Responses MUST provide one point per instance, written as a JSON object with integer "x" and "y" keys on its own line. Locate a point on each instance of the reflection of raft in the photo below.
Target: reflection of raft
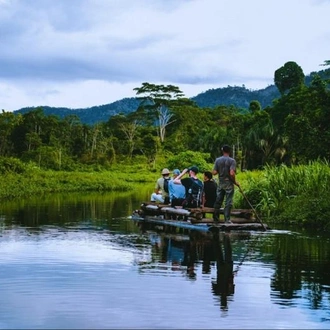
{"x": 195, "y": 218}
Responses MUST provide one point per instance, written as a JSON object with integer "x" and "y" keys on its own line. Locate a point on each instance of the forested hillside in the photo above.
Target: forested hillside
{"x": 293, "y": 130}
{"x": 232, "y": 95}
{"x": 239, "y": 97}
{"x": 236, "y": 96}
{"x": 90, "y": 115}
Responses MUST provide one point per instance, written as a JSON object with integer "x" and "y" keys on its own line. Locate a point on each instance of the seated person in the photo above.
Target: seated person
{"x": 177, "y": 192}
{"x": 160, "y": 195}
{"x": 210, "y": 190}
{"x": 193, "y": 186}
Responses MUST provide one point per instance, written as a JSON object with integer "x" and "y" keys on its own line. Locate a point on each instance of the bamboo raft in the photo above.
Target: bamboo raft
{"x": 196, "y": 218}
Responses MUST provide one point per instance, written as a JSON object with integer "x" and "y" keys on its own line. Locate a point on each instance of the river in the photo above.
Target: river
{"x": 79, "y": 262}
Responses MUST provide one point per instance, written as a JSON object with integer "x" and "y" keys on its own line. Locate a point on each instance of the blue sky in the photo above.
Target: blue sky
{"x": 81, "y": 53}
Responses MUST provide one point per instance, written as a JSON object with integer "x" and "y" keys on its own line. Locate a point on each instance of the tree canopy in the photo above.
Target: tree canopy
{"x": 295, "y": 129}
{"x": 289, "y": 76}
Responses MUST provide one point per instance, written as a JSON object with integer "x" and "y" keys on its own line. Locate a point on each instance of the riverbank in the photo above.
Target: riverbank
{"x": 31, "y": 180}
{"x": 292, "y": 195}
{"x": 298, "y": 194}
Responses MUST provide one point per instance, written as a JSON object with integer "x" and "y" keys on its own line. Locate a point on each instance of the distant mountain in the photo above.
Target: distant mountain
{"x": 241, "y": 96}
{"x": 231, "y": 95}
{"x": 237, "y": 96}
{"x": 91, "y": 115}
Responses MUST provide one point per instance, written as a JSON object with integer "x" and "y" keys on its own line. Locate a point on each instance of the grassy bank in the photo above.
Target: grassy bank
{"x": 26, "y": 180}
{"x": 297, "y": 194}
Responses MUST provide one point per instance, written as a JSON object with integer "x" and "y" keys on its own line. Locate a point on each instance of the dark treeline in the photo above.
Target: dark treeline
{"x": 295, "y": 129}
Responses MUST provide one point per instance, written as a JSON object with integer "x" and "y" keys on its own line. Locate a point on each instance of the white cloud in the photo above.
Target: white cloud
{"x": 81, "y": 53}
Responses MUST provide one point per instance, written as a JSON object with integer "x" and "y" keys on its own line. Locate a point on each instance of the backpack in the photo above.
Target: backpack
{"x": 166, "y": 180}
{"x": 195, "y": 193}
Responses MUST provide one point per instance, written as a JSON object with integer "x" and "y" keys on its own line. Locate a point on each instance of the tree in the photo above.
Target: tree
{"x": 254, "y": 106}
{"x": 309, "y": 129}
{"x": 8, "y": 121}
{"x": 148, "y": 146}
{"x": 289, "y": 76}
{"x": 302, "y": 117}
{"x": 130, "y": 130}
{"x": 262, "y": 142}
{"x": 157, "y": 100}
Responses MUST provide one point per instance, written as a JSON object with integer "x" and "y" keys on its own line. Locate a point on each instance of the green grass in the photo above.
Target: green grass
{"x": 297, "y": 194}
{"x": 33, "y": 181}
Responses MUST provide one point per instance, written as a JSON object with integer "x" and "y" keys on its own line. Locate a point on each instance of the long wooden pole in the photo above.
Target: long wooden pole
{"x": 253, "y": 209}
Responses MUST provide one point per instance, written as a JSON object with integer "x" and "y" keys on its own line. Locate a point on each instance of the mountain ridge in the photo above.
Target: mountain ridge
{"x": 238, "y": 96}
{"x": 230, "y": 95}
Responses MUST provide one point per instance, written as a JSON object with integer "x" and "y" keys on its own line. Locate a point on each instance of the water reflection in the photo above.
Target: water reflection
{"x": 97, "y": 209}
{"x": 74, "y": 261}
{"x": 298, "y": 267}
{"x": 302, "y": 270}
{"x": 185, "y": 253}
{"x": 224, "y": 285}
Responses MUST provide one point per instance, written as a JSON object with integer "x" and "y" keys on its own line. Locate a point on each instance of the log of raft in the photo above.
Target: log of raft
{"x": 195, "y": 214}
{"x": 161, "y": 213}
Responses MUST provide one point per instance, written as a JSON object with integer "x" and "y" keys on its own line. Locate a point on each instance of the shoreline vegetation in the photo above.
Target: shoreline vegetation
{"x": 281, "y": 150}
{"x": 290, "y": 195}
{"x": 24, "y": 180}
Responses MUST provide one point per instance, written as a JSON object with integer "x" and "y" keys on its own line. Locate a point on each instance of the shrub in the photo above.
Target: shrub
{"x": 11, "y": 165}
{"x": 189, "y": 158}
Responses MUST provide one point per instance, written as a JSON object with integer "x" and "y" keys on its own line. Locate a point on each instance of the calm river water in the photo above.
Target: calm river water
{"x": 79, "y": 261}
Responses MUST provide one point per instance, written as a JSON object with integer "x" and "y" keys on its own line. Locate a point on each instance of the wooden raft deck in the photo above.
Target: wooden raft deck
{"x": 196, "y": 218}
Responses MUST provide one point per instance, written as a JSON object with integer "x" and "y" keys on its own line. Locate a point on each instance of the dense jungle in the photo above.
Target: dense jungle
{"x": 282, "y": 150}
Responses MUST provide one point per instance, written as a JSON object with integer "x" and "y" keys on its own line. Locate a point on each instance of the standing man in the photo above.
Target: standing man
{"x": 160, "y": 195}
{"x": 225, "y": 167}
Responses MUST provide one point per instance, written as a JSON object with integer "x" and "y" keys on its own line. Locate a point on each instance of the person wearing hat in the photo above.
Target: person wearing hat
{"x": 225, "y": 167}
{"x": 177, "y": 192}
{"x": 160, "y": 195}
{"x": 193, "y": 187}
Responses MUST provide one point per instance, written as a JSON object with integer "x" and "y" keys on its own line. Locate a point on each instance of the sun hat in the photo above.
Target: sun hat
{"x": 165, "y": 171}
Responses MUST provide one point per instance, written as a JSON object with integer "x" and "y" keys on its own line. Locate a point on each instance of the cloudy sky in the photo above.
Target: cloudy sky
{"x": 81, "y": 53}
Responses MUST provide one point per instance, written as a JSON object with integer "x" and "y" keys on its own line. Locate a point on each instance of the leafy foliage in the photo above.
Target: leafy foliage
{"x": 292, "y": 193}
{"x": 11, "y": 165}
{"x": 289, "y": 76}
{"x": 186, "y": 159}
{"x": 237, "y": 96}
